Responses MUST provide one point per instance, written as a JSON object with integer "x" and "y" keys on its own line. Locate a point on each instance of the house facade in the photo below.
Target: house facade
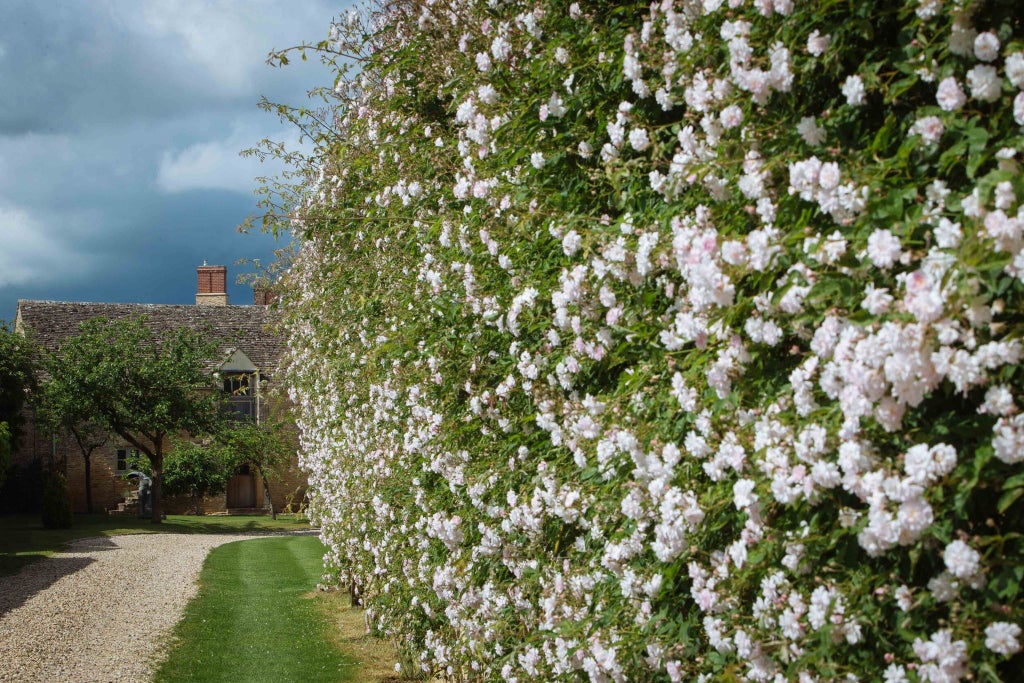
{"x": 246, "y": 371}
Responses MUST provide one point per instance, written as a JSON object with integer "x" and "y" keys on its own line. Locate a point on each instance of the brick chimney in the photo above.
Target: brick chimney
{"x": 263, "y": 295}
{"x": 212, "y": 289}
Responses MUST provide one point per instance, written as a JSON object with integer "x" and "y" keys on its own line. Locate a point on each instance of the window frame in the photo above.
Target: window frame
{"x": 241, "y": 398}
{"x": 121, "y": 457}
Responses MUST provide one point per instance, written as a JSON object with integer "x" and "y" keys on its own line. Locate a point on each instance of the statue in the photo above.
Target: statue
{"x": 145, "y": 493}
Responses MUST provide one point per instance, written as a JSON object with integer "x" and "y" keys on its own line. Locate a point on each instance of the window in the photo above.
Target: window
{"x": 124, "y": 455}
{"x": 236, "y": 384}
{"x": 241, "y": 400}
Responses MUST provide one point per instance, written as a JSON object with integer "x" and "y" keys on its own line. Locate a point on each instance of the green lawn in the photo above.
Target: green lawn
{"x": 257, "y": 616}
{"x": 23, "y": 538}
{"x": 255, "y": 619}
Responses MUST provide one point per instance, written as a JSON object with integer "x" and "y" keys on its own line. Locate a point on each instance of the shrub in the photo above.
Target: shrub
{"x": 671, "y": 342}
{"x": 22, "y": 490}
{"x": 5, "y": 452}
{"x": 197, "y": 470}
{"x": 56, "y": 510}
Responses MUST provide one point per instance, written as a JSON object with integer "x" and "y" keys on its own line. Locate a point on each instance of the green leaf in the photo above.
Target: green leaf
{"x": 1013, "y": 482}
{"x": 1008, "y": 499}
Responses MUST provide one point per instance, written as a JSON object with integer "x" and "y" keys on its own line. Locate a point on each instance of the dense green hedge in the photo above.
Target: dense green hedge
{"x": 671, "y": 342}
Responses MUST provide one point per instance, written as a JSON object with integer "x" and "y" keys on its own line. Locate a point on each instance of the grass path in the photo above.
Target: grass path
{"x": 257, "y": 617}
{"x": 254, "y": 620}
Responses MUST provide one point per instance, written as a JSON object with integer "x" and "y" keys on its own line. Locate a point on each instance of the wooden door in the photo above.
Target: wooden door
{"x": 242, "y": 491}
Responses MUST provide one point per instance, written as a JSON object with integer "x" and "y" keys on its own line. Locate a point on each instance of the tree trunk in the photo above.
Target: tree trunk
{"x": 158, "y": 478}
{"x": 88, "y": 482}
{"x": 266, "y": 494}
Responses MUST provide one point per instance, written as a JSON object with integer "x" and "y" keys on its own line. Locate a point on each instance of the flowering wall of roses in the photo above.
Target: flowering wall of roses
{"x": 674, "y": 341}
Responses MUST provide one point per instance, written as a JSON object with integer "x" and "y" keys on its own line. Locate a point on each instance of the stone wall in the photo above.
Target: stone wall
{"x": 109, "y": 487}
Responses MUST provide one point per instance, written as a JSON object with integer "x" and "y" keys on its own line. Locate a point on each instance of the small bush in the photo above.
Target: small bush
{"x": 22, "y": 490}
{"x": 56, "y": 503}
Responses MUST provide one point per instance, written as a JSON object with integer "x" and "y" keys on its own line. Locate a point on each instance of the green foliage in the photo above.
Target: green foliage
{"x": 22, "y": 490}
{"x": 62, "y": 405}
{"x": 266, "y": 447}
{"x": 57, "y": 503}
{"x": 143, "y": 385}
{"x": 197, "y": 470}
{"x": 5, "y": 451}
{"x": 671, "y": 341}
{"x": 18, "y": 375}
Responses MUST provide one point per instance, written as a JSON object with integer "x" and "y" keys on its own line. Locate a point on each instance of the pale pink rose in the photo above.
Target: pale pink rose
{"x": 984, "y": 82}
{"x": 949, "y": 95}
{"x": 817, "y": 43}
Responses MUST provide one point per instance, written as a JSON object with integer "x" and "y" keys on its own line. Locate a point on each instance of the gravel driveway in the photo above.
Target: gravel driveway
{"x": 100, "y": 611}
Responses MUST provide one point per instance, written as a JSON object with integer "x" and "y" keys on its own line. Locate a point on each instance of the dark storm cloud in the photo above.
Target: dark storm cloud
{"x": 73, "y": 64}
{"x": 119, "y": 140}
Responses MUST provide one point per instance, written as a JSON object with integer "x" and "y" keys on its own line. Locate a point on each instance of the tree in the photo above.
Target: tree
{"x": 143, "y": 385}
{"x": 196, "y": 469}
{"x": 5, "y": 451}
{"x": 265, "y": 447}
{"x": 62, "y": 404}
{"x": 18, "y": 363}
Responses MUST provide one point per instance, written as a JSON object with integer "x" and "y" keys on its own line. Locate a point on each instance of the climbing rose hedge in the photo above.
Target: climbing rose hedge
{"x": 671, "y": 342}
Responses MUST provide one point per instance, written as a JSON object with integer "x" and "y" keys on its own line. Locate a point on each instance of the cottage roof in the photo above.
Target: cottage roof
{"x": 246, "y": 328}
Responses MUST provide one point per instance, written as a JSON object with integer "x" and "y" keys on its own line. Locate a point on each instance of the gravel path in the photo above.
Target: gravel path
{"x": 100, "y": 611}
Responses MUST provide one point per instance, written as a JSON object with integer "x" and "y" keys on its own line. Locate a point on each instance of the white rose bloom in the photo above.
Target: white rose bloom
{"x": 731, "y": 116}
{"x": 810, "y": 131}
{"x": 930, "y": 128}
{"x": 998, "y": 401}
{"x": 638, "y": 139}
{"x": 961, "y": 40}
{"x": 853, "y": 90}
{"x": 1015, "y": 69}
{"x": 883, "y": 248}
{"x": 876, "y": 300}
{"x": 929, "y": 9}
{"x": 487, "y": 94}
{"x": 986, "y": 46}
{"x": 985, "y": 84}
{"x": 962, "y": 560}
{"x": 1001, "y": 637}
{"x": 556, "y": 107}
{"x": 817, "y": 43}
{"x": 949, "y": 95}
{"x": 743, "y": 495}
{"x": 948, "y": 234}
{"x": 571, "y": 242}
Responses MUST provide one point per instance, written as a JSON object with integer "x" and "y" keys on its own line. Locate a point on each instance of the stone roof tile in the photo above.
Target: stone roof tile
{"x": 249, "y": 328}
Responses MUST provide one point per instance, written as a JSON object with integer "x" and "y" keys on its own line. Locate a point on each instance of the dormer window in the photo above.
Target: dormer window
{"x": 240, "y": 399}
{"x": 236, "y": 384}
{"x": 240, "y": 378}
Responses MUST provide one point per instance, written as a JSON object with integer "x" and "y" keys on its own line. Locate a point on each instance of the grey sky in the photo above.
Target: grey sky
{"x": 119, "y": 137}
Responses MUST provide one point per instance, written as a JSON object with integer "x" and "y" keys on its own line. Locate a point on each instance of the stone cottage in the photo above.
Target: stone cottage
{"x": 246, "y": 371}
